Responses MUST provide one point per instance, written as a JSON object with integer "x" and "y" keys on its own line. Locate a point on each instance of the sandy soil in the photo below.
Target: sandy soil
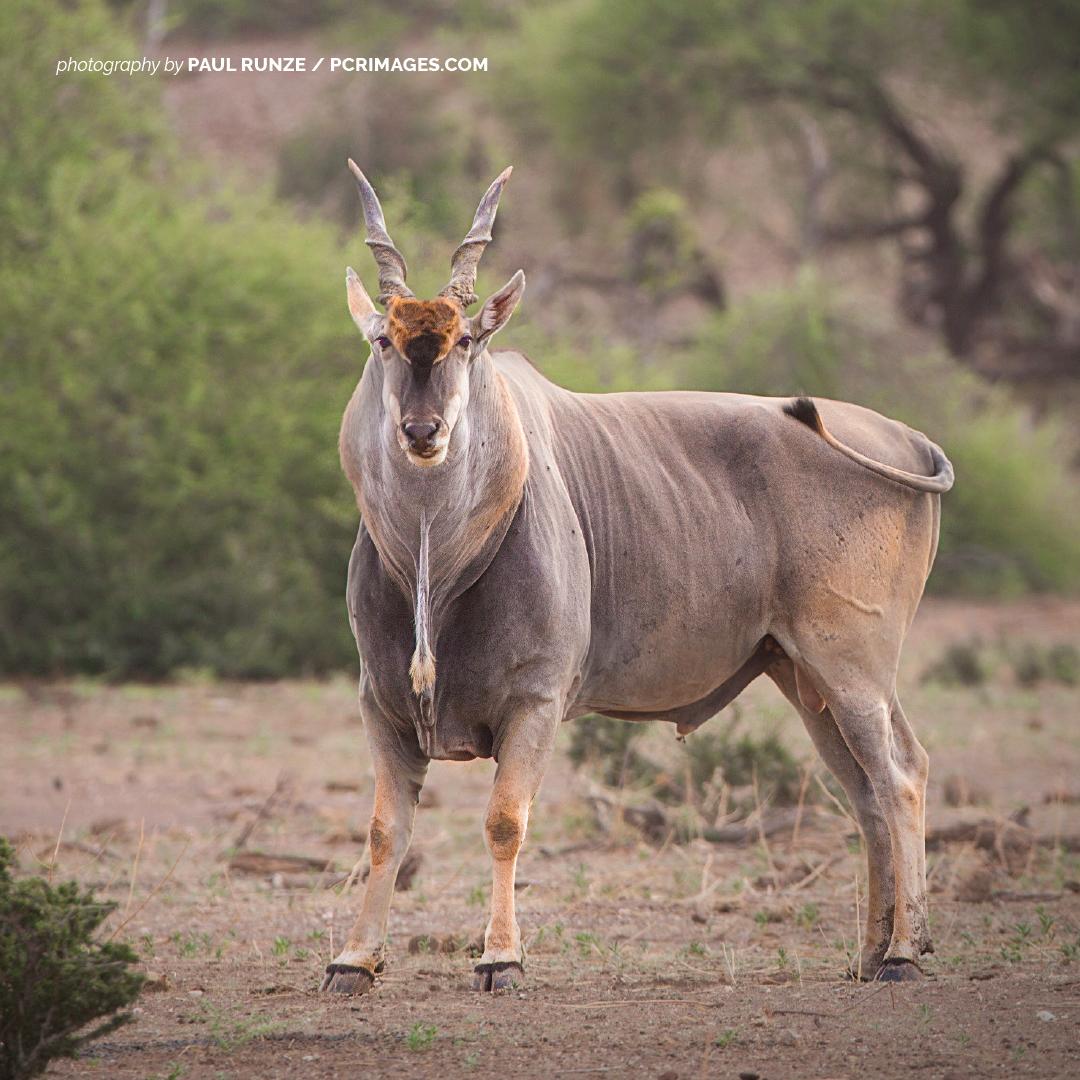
{"x": 646, "y": 958}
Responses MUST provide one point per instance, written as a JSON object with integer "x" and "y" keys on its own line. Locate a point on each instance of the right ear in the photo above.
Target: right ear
{"x": 498, "y": 308}
{"x": 361, "y": 308}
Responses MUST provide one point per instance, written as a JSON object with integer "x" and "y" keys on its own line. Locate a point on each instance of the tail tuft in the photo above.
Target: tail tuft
{"x": 422, "y": 670}
{"x": 805, "y": 411}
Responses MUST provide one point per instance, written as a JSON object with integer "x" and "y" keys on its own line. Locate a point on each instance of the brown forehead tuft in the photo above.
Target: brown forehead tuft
{"x": 423, "y": 330}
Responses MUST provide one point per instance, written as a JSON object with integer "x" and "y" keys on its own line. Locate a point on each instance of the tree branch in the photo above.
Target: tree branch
{"x": 843, "y": 232}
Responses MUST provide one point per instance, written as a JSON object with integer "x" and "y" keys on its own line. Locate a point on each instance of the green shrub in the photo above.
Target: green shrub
{"x": 743, "y": 760}
{"x": 962, "y": 663}
{"x": 55, "y": 979}
{"x": 175, "y": 367}
{"x": 171, "y": 494}
{"x": 1033, "y": 663}
{"x": 606, "y": 746}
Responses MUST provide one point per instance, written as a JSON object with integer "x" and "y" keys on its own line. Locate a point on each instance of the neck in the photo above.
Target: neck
{"x": 466, "y": 502}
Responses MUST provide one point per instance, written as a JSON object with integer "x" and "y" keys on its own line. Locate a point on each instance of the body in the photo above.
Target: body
{"x": 528, "y": 555}
{"x": 672, "y": 532}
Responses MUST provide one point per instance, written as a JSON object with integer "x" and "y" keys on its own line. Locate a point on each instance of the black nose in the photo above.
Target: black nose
{"x": 421, "y": 433}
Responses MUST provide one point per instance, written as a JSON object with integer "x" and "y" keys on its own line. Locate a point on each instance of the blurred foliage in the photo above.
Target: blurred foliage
{"x": 961, "y": 663}
{"x": 421, "y": 150}
{"x": 843, "y": 88}
{"x": 175, "y": 371}
{"x": 719, "y": 769}
{"x": 634, "y": 74}
{"x": 56, "y": 978}
{"x": 1034, "y": 663}
{"x": 217, "y": 18}
{"x": 666, "y": 256}
{"x": 606, "y": 746}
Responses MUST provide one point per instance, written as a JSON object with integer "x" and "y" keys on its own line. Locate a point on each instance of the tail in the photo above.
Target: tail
{"x": 806, "y": 412}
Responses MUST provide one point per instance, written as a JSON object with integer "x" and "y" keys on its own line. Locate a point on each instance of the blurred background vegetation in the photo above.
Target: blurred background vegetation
{"x": 872, "y": 200}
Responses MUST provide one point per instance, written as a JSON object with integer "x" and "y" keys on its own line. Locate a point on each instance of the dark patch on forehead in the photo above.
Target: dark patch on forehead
{"x": 424, "y": 331}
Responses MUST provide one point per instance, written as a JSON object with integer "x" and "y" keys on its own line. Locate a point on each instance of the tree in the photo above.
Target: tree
{"x": 976, "y": 264}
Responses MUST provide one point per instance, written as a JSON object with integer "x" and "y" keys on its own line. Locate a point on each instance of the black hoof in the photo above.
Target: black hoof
{"x": 863, "y": 973}
{"x": 504, "y": 975}
{"x": 900, "y": 970}
{"x": 346, "y": 979}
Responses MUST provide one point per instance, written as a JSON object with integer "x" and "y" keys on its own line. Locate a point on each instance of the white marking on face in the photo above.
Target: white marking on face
{"x": 433, "y": 459}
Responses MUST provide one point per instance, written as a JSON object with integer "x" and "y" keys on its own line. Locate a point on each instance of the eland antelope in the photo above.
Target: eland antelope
{"x": 527, "y": 555}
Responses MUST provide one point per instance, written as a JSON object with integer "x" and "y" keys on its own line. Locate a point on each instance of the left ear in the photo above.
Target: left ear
{"x": 498, "y": 308}
{"x": 360, "y": 306}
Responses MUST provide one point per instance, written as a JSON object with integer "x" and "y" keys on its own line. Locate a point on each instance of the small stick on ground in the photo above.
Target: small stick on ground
{"x": 135, "y": 867}
{"x": 153, "y": 892}
{"x": 799, "y": 808}
{"x": 59, "y": 837}
{"x": 283, "y": 782}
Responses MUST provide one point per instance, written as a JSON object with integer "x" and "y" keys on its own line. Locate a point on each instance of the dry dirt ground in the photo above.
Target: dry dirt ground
{"x": 645, "y": 957}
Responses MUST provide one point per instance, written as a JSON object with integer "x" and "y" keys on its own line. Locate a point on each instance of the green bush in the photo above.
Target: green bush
{"x": 1034, "y": 663}
{"x": 55, "y": 979}
{"x": 606, "y": 746}
{"x": 962, "y": 663}
{"x": 175, "y": 368}
{"x": 171, "y": 493}
{"x": 741, "y": 760}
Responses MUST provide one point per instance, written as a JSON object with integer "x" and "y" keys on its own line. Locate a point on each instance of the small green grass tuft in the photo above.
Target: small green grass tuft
{"x": 421, "y": 1036}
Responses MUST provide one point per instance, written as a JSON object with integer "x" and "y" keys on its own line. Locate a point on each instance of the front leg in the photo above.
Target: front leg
{"x": 398, "y": 779}
{"x": 523, "y": 757}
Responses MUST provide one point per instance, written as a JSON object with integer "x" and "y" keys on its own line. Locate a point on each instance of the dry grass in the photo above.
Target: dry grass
{"x": 697, "y": 958}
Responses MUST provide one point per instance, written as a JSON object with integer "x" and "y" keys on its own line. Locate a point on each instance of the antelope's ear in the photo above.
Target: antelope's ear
{"x": 498, "y": 308}
{"x": 360, "y": 306}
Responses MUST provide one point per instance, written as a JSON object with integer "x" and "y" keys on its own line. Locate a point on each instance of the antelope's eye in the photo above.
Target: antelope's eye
{"x": 466, "y": 341}
{"x": 383, "y": 342}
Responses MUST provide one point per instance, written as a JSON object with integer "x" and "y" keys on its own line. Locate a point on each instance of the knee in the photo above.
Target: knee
{"x": 505, "y": 831}
{"x": 387, "y": 842}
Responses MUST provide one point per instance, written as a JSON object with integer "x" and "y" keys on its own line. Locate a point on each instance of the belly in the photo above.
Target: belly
{"x": 668, "y": 635}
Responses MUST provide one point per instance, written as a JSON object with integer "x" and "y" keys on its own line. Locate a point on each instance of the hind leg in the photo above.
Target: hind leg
{"x": 830, "y": 744}
{"x": 882, "y": 742}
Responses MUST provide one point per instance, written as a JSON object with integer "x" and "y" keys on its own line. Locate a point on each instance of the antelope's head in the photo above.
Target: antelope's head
{"x": 426, "y": 347}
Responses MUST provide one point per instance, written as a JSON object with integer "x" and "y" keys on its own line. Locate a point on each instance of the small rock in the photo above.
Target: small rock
{"x": 671, "y": 1074}
{"x": 195, "y": 993}
{"x": 1045, "y": 1015}
{"x": 748, "y": 1075}
{"x": 787, "y": 1037}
